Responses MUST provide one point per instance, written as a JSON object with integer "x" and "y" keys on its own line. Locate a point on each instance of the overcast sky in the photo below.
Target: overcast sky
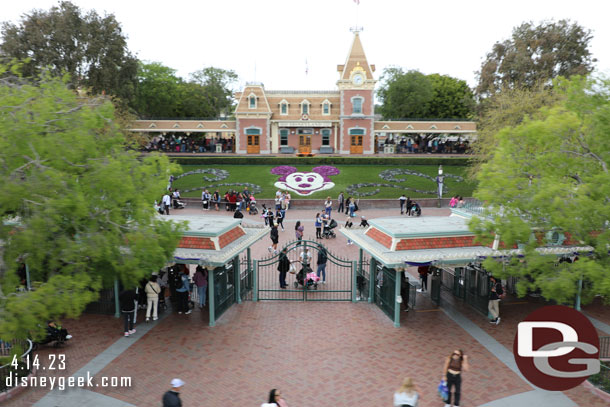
{"x": 270, "y": 41}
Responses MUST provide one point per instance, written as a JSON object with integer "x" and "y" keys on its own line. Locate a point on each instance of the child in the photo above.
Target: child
{"x": 348, "y": 222}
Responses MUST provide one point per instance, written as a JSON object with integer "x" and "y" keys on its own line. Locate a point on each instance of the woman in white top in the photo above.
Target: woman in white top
{"x": 406, "y": 395}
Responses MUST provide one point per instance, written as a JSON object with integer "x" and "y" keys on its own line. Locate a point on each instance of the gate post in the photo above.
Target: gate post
{"x": 397, "y": 287}
{"x": 372, "y": 278}
{"x": 212, "y": 296}
{"x": 255, "y": 281}
{"x": 117, "y": 307}
{"x": 237, "y": 278}
{"x": 354, "y": 277}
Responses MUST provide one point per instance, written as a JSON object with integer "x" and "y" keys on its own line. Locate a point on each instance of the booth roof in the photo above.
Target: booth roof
{"x": 216, "y": 258}
{"x": 456, "y": 255}
{"x": 204, "y": 225}
{"x": 430, "y": 226}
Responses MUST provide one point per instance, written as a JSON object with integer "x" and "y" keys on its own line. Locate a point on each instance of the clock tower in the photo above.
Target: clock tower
{"x": 357, "y": 88}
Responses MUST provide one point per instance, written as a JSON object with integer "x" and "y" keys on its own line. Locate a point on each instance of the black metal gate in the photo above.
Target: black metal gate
{"x": 385, "y": 289}
{"x": 336, "y": 285}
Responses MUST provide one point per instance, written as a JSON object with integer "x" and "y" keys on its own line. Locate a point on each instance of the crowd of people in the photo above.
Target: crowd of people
{"x": 187, "y": 144}
{"x": 406, "y": 145}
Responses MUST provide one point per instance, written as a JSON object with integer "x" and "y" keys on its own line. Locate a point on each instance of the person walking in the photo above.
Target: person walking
{"x": 408, "y": 206}
{"x": 423, "y": 277}
{"x": 166, "y": 202}
{"x": 322, "y": 259}
{"x": 352, "y": 207}
{"x": 183, "y": 292}
{"x": 406, "y": 395}
{"x": 402, "y": 200}
{"x": 171, "y": 398}
{"x": 455, "y": 364}
{"x": 318, "y": 225}
{"x": 298, "y": 231}
{"x": 201, "y": 282}
{"x": 275, "y": 399}
{"x": 279, "y": 216}
{"x": 328, "y": 206}
{"x": 496, "y": 291}
{"x": 341, "y": 201}
{"x": 152, "y": 290}
{"x": 283, "y": 267}
{"x": 274, "y": 237}
{"x": 128, "y": 298}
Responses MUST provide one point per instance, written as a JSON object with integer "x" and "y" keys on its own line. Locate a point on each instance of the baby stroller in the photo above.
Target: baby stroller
{"x": 328, "y": 230}
{"x": 416, "y": 209}
{"x": 307, "y": 279}
{"x": 252, "y": 209}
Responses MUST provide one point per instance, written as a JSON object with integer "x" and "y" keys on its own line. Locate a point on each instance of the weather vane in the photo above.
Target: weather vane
{"x": 356, "y": 29}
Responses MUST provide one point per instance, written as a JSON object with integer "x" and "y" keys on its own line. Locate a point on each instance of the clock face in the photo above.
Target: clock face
{"x": 358, "y": 79}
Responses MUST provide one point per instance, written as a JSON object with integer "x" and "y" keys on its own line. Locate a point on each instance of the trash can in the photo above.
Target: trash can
{"x": 219, "y": 148}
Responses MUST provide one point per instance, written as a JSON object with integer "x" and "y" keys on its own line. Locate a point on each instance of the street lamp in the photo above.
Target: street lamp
{"x": 439, "y": 180}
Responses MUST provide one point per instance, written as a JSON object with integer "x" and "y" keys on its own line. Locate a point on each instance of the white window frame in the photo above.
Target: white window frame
{"x": 287, "y": 132}
{"x": 361, "y": 105}
{"x": 326, "y": 103}
{"x": 251, "y": 97}
{"x": 282, "y": 104}
{"x": 303, "y": 103}
{"x": 330, "y": 133}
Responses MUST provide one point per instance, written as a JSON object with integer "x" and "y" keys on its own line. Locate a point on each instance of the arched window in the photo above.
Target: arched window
{"x": 326, "y": 107}
{"x": 305, "y": 107}
{"x": 284, "y": 107}
{"x": 252, "y": 101}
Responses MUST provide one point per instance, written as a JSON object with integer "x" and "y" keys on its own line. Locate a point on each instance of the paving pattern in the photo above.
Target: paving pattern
{"x": 318, "y": 354}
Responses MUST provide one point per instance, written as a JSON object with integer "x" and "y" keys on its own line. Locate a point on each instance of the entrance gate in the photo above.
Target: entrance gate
{"x": 339, "y": 275}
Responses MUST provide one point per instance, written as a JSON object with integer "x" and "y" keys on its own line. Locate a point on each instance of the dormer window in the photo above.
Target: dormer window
{"x": 305, "y": 107}
{"x": 326, "y": 108}
{"x": 252, "y": 101}
{"x": 283, "y": 107}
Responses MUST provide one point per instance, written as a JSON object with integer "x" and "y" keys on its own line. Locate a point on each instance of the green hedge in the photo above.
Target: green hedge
{"x": 260, "y": 160}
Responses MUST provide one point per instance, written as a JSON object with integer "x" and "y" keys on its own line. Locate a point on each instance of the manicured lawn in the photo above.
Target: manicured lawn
{"x": 350, "y": 174}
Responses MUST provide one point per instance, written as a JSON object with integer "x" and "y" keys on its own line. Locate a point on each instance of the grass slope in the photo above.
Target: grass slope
{"x": 350, "y": 174}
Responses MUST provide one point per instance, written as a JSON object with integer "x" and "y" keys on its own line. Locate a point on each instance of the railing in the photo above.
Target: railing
{"x": 604, "y": 348}
{"x": 8, "y": 370}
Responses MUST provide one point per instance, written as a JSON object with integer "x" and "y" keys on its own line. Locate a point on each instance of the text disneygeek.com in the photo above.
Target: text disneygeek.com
{"x": 62, "y": 382}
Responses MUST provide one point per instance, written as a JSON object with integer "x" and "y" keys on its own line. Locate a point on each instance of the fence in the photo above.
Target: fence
{"x": 7, "y": 369}
{"x": 385, "y": 289}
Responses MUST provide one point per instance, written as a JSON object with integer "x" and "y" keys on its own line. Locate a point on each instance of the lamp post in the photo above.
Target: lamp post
{"x": 439, "y": 180}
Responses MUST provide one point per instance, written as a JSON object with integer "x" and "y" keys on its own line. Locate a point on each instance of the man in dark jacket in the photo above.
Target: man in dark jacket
{"x": 171, "y": 398}
{"x": 283, "y": 267}
{"x": 128, "y": 298}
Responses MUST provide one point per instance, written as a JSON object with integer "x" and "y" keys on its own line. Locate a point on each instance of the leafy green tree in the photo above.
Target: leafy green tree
{"x": 451, "y": 98}
{"x": 549, "y": 174}
{"x": 508, "y": 108}
{"x": 217, "y": 83}
{"x": 159, "y": 91}
{"x": 404, "y": 94}
{"x": 90, "y": 48}
{"x": 75, "y": 203}
{"x": 535, "y": 55}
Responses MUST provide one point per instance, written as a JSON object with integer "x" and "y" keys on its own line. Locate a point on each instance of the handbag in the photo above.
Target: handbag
{"x": 443, "y": 390}
{"x": 292, "y": 269}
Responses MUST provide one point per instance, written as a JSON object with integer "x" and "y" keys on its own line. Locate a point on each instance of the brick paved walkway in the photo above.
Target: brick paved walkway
{"x": 318, "y": 354}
